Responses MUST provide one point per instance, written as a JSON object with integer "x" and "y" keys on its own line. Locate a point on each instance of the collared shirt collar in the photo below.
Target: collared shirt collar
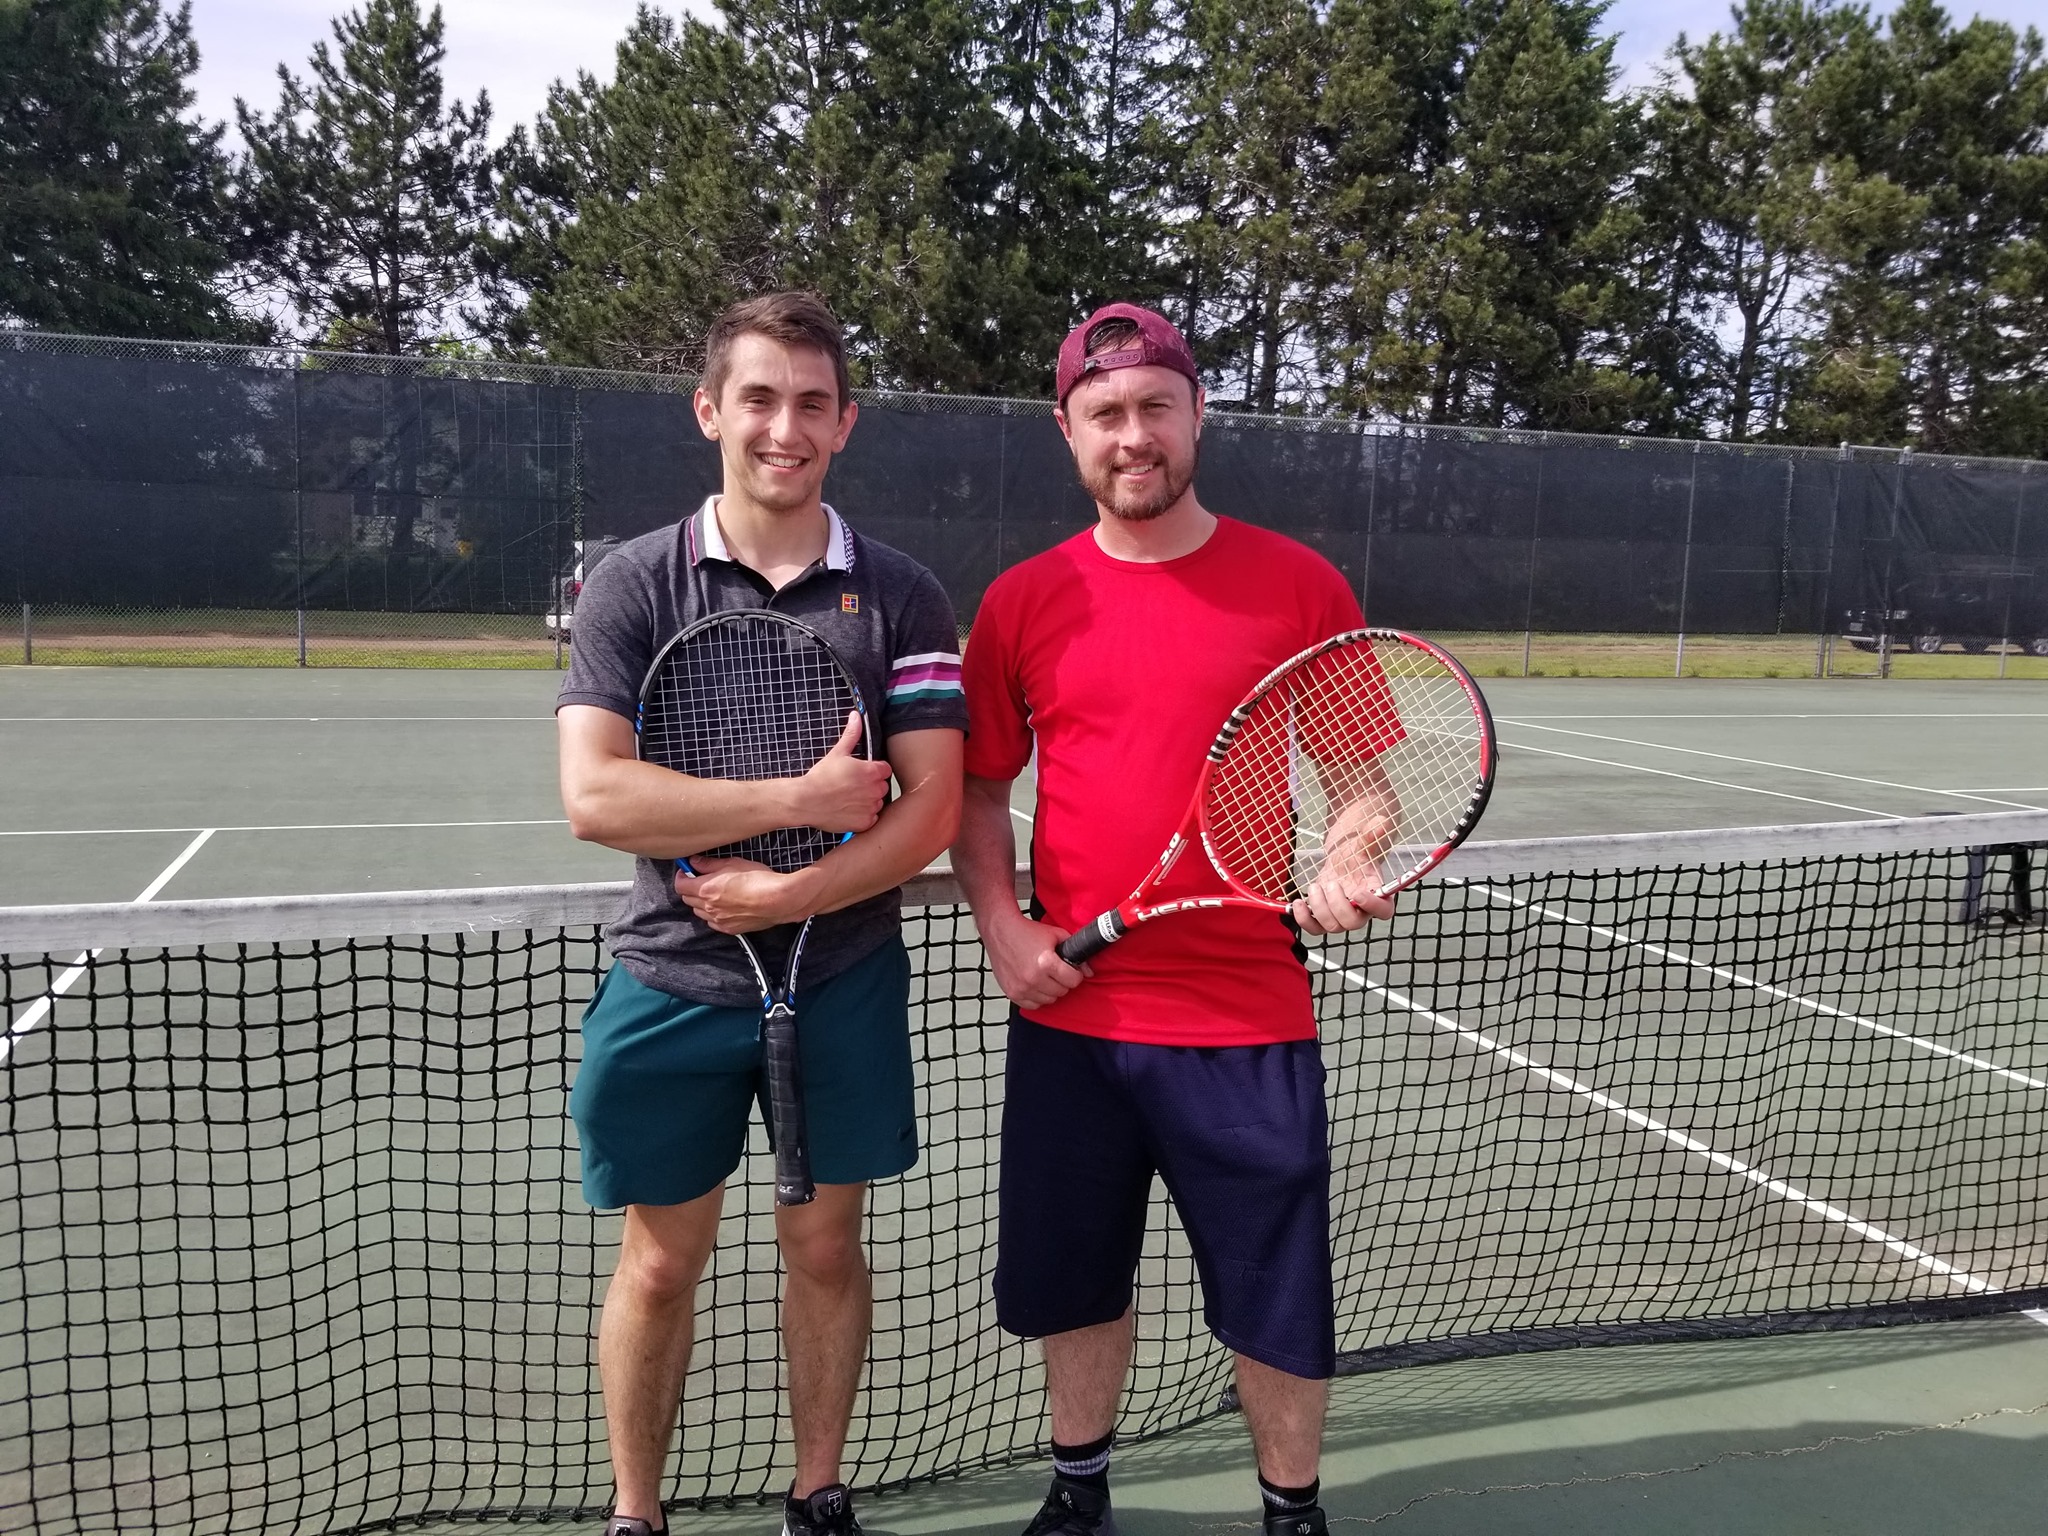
{"x": 707, "y": 542}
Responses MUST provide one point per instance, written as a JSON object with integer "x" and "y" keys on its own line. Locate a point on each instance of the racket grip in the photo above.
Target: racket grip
{"x": 1085, "y": 944}
{"x": 786, "y": 1107}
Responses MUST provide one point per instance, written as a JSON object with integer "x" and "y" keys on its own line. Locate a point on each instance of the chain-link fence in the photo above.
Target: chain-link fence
{"x": 196, "y": 503}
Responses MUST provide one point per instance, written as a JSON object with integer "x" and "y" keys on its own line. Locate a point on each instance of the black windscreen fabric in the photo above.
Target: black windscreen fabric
{"x": 160, "y": 477}
{"x": 1813, "y": 507}
{"x": 643, "y": 462}
{"x": 1610, "y": 541}
{"x": 100, "y": 543}
{"x": 938, "y": 498}
{"x": 1865, "y": 533}
{"x": 1954, "y": 557}
{"x": 435, "y": 494}
{"x": 2028, "y": 617}
{"x": 1452, "y": 531}
{"x": 1738, "y": 572}
{"x": 1316, "y": 486}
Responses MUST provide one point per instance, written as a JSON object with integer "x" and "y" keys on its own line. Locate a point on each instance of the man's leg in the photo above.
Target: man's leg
{"x": 643, "y": 1340}
{"x": 1253, "y": 1192}
{"x": 1285, "y": 1414}
{"x": 826, "y": 1309}
{"x": 1085, "y": 1372}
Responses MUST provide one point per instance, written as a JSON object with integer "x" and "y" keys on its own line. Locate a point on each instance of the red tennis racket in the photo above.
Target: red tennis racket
{"x": 1368, "y": 757}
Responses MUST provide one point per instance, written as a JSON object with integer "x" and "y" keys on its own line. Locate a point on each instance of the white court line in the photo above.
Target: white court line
{"x": 1760, "y": 1177}
{"x": 39, "y": 1010}
{"x": 1693, "y": 778}
{"x": 2038, "y": 1314}
{"x": 325, "y": 826}
{"x": 1760, "y": 762}
{"x": 1024, "y": 816}
{"x": 1812, "y": 1005}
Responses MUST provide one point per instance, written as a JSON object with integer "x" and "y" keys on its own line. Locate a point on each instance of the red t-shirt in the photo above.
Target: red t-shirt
{"x": 1124, "y": 672}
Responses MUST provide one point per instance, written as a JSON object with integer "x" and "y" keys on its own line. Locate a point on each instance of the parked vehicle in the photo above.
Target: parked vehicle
{"x": 1970, "y": 605}
{"x": 586, "y": 555}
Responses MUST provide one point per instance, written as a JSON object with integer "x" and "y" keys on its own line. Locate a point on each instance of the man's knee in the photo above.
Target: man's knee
{"x": 664, "y": 1250}
{"x": 821, "y": 1243}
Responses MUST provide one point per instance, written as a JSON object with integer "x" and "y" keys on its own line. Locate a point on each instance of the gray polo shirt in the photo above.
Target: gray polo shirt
{"x": 892, "y": 625}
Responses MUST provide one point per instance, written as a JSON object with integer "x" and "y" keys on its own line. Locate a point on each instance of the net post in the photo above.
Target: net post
{"x": 1971, "y": 905}
{"x": 28, "y": 636}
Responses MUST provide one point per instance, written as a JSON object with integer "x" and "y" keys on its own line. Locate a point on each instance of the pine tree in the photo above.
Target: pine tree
{"x": 1507, "y": 299}
{"x": 364, "y": 192}
{"x": 113, "y": 211}
{"x": 1739, "y": 145}
{"x": 1388, "y": 112}
{"x": 1253, "y": 165}
{"x": 1933, "y": 236}
{"x": 637, "y": 209}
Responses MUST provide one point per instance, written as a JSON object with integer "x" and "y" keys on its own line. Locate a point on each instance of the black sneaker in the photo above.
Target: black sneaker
{"x": 1297, "y": 1522}
{"x": 626, "y": 1525}
{"x": 1073, "y": 1509}
{"x": 828, "y": 1512}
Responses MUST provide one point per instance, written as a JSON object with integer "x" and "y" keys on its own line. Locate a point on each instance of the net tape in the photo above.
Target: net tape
{"x": 291, "y": 1231}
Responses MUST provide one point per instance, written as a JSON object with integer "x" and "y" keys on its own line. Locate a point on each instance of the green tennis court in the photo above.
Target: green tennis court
{"x": 298, "y": 1215}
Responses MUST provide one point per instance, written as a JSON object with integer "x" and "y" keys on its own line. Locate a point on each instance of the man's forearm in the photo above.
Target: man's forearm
{"x": 655, "y": 813}
{"x": 985, "y": 854}
{"x": 913, "y": 831}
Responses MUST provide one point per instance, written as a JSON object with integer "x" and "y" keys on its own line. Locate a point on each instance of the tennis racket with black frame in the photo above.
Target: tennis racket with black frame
{"x": 1369, "y": 756}
{"x": 755, "y": 694}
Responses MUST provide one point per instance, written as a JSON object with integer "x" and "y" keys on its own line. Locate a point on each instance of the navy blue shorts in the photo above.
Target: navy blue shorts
{"x": 1240, "y": 1136}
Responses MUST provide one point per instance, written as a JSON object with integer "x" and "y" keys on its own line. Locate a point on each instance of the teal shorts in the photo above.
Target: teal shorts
{"x": 666, "y": 1088}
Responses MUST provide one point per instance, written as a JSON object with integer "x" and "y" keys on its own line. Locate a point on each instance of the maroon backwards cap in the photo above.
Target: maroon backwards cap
{"x": 1157, "y": 342}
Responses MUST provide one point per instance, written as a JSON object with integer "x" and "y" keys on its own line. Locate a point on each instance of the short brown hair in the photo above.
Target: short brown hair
{"x": 793, "y": 318}
{"x": 1111, "y": 335}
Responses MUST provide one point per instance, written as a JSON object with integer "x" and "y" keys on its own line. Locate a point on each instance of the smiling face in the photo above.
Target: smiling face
{"x": 1135, "y": 435}
{"x": 777, "y": 420}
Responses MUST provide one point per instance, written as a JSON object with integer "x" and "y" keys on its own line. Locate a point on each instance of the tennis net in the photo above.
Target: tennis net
{"x": 290, "y": 1233}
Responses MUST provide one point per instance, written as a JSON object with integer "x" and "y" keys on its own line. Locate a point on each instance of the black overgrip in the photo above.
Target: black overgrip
{"x": 786, "y": 1105}
{"x": 1085, "y": 944}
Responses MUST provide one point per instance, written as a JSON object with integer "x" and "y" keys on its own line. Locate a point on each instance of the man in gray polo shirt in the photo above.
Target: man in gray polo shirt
{"x": 671, "y": 1051}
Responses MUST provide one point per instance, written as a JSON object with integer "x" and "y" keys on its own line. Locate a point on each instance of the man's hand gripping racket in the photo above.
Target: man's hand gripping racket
{"x": 1347, "y": 773}
{"x": 756, "y": 695}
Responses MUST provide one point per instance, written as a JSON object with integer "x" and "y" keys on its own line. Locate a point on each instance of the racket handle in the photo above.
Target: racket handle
{"x": 786, "y": 1107}
{"x": 1085, "y": 944}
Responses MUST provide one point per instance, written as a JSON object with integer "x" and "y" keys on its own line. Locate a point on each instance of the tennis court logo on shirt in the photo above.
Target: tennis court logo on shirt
{"x": 928, "y": 675}
{"x": 849, "y": 602}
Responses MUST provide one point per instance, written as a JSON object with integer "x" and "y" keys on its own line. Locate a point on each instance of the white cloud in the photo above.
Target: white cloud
{"x": 516, "y": 48}
{"x": 1649, "y": 27}
{"x": 513, "y": 48}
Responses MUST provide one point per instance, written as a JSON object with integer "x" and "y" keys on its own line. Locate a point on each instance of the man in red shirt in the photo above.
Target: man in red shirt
{"x": 1188, "y": 1050}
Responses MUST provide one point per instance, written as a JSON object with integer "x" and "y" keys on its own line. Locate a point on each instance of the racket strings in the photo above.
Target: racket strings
{"x": 749, "y": 697}
{"x": 1358, "y": 763}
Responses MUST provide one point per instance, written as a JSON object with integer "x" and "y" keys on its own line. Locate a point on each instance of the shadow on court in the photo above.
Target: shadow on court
{"x": 1935, "y": 1428}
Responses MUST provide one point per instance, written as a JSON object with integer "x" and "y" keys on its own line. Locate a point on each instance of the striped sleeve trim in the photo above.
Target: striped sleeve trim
{"x": 928, "y": 675}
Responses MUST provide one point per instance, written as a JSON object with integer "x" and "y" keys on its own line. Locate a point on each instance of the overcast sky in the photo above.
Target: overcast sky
{"x": 514, "y": 48}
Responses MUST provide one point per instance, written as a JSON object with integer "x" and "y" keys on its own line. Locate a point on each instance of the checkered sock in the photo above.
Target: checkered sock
{"x": 1286, "y": 1501}
{"x": 1087, "y": 1464}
